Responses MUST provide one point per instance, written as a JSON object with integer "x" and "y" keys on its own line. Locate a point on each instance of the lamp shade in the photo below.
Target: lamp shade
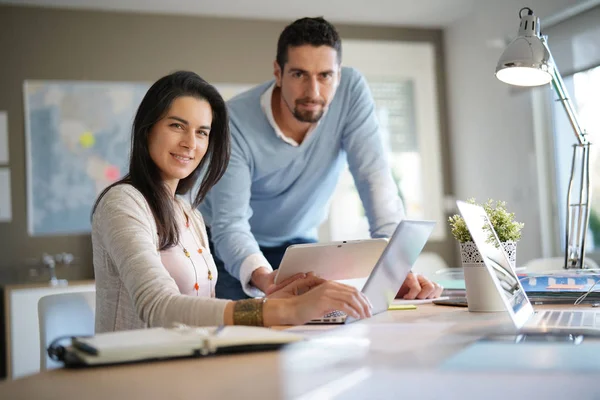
{"x": 526, "y": 61}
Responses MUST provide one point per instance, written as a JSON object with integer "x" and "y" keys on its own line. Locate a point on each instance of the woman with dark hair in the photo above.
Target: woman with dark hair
{"x": 152, "y": 261}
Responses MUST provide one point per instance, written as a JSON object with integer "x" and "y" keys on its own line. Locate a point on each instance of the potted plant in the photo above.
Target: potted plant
{"x": 507, "y": 229}
{"x": 482, "y": 295}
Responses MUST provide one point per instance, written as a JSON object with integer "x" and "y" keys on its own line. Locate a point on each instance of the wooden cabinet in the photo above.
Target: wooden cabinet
{"x": 21, "y": 324}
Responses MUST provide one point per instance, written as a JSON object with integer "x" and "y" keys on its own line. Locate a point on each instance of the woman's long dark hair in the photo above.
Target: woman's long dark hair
{"x": 143, "y": 173}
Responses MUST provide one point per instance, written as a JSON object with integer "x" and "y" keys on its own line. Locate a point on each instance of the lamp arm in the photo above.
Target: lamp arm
{"x": 561, "y": 91}
{"x": 579, "y": 191}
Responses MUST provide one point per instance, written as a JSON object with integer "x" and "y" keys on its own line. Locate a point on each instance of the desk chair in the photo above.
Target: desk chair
{"x": 64, "y": 314}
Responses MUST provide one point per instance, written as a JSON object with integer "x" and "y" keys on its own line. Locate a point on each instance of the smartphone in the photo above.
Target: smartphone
{"x": 452, "y": 301}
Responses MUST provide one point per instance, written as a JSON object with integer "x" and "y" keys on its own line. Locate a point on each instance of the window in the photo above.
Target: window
{"x": 402, "y": 79}
{"x": 583, "y": 87}
{"x": 575, "y": 48}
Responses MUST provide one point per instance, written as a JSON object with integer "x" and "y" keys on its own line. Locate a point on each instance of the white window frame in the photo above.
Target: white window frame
{"x": 403, "y": 60}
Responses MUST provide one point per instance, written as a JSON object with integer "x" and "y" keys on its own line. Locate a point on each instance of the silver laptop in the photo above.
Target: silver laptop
{"x": 391, "y": 269}
{"x": 350, "y": 259}
{"x": 508, "y": 285}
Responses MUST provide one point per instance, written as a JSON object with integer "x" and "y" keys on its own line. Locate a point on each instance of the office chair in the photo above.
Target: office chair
{"x": 64, "y": 314}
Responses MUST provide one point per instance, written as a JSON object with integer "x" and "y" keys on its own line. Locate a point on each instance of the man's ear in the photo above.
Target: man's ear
{"x": 278, "y": 73}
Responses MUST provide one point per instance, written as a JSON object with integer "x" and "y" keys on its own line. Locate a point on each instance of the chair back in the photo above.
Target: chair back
{"x": 64, "y": 314}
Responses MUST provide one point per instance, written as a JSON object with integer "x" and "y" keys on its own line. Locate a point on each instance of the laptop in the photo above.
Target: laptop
{"x": 391, "y": 269}
{"x": 349, "y": 259}
{"x": 511, "y": 291}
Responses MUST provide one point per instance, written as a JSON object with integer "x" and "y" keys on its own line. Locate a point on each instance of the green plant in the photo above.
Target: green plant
{"x": 503, "y": 222}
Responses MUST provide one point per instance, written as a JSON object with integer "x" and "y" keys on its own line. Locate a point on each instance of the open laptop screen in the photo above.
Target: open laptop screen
{"x": 496, "y": 260}
{"x": 395, "y": 262}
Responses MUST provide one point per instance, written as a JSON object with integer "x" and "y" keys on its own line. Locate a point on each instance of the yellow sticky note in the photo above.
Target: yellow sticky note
{"x": 402, "y": 307}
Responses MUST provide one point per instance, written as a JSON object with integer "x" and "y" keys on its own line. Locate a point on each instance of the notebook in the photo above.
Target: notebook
{"x": 510, "y": 288}
{"x": 164, "y": 343}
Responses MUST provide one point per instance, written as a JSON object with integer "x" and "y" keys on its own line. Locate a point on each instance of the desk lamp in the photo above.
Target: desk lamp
{"x": 527, "y": 61}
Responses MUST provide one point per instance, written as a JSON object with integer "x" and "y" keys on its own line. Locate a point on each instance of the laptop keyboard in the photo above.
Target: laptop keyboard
{"x": 334, "y": 317}
{"x": 570, "y": 319}
{"x": 335, "y": 314}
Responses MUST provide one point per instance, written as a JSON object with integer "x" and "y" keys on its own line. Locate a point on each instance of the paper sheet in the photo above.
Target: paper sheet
{"x": 3, "y": 137}
{"x": 399, "y": 302}
{"x": 5, "y": 204}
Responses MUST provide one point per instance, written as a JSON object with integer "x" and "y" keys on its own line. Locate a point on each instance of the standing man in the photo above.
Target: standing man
{"x": 291, "y": 137}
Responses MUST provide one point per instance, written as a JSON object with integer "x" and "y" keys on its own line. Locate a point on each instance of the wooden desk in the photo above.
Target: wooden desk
{"x": 393, "y": 355}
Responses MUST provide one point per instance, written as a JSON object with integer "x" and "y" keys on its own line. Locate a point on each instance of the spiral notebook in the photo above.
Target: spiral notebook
{"x": 165, "y": 343}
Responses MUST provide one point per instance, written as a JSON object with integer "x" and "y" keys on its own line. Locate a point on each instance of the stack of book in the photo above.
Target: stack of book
{"x": 561, "y": 287}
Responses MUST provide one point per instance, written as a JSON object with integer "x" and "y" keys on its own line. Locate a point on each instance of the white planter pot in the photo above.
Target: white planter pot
{"x": 482, "y": 295}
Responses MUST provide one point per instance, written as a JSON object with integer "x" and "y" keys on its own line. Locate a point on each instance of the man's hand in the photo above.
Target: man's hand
{"x": 265, "y": 280}
{"x": 418, "y": 287}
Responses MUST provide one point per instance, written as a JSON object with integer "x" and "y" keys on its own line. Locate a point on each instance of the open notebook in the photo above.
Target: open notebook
{"x": 162, "y": 343}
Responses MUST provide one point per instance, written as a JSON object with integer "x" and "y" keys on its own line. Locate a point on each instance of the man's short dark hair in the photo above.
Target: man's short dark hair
{"x": 311, "y": 31}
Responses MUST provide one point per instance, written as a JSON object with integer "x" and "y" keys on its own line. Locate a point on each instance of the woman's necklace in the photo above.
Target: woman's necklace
{"x": 188, "y": 255}
{"x": 199, "y": 250}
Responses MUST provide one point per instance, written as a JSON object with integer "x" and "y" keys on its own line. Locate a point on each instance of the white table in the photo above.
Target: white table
{"x": 396, "y": 354}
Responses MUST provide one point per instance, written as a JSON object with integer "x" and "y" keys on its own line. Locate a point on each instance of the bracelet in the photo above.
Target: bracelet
{"x": 249, "y": 312}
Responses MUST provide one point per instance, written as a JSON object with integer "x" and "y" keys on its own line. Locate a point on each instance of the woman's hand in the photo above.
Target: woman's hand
{"x": 300, "y": 285}
{"x": 323, "y": 297}
{"x": 313, "y": 297}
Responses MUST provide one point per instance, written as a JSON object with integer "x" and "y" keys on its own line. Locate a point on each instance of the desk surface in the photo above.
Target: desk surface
{"x": 392, "y": 355}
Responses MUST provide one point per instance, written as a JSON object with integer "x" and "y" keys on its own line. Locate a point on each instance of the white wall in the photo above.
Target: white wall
{"x": 491, "y": 124}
